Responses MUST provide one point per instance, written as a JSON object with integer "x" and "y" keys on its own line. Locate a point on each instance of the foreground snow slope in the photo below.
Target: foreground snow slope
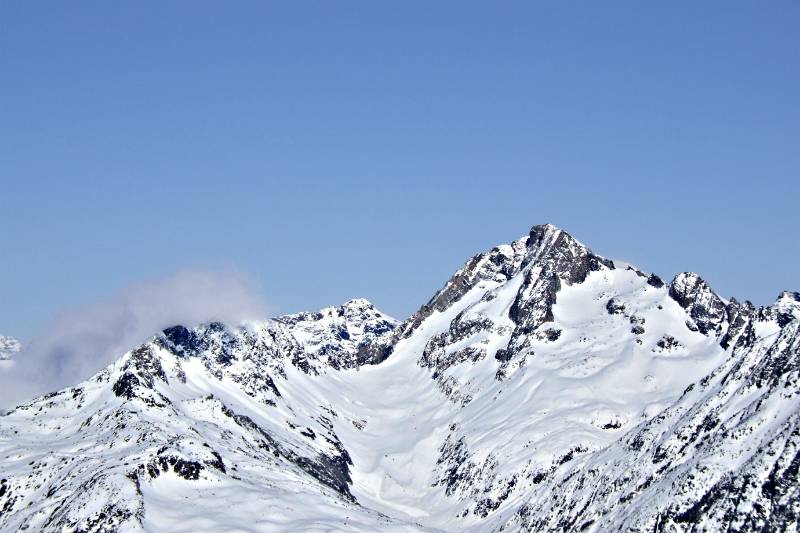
{"x": 542, "y": 388}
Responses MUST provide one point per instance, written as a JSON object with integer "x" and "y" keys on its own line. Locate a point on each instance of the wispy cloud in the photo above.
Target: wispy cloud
{"x": 79, "y": 342}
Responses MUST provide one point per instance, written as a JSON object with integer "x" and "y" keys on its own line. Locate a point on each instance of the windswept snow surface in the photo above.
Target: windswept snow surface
{"x": 543, "y": 388}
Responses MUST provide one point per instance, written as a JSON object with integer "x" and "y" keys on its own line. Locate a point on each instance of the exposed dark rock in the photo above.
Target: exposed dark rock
{"x": 374, "y": 353}
{"x": 560, "y": 259}
{"x": 125, "y": 386}
{"x": 182, "y": 341}
{"x": 503, "y": 355}
{"x": 332, "y": 471}
{"x": 614, "y": 307}
{"x": 703, "y": 305}
{"x": 668, "y": 343}
{"x": 189, "y": 470}
{"x": 739, "y": 316}
{"x": 217, "y": 462}
{"x": 139, "y": 372}
{"x": 549, "y": 334}
{"x": 571, "y": 454}
{"x": 436, "y": 354}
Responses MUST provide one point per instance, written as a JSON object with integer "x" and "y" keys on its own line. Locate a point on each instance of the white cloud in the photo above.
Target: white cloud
{"x": 79, "y": 342}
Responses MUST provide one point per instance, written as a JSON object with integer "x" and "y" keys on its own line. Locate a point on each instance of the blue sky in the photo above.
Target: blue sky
{"x": 329, "y": 150}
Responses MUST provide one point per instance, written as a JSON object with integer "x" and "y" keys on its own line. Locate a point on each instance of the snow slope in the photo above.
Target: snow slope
{"x": 542, "y": 388}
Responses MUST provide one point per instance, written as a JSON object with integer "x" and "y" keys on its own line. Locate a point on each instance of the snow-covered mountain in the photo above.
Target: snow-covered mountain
{"x": 543, "y": 388}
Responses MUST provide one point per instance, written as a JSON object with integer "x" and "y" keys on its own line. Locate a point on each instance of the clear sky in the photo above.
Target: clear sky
{"x": 331, "y": 150}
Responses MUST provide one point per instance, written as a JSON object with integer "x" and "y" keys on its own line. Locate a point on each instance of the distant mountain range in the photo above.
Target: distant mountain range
{"x": 542, "y": 388}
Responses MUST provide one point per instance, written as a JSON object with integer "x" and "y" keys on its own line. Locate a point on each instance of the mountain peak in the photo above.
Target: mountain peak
{"x": 788, "y": 305}
{"x": 547, "y": 240}
{"x": 789, "y": 297}
{"x": 560, "y": 256}
{"x": 358, "y": 310}
{"x": 358, "y": 303}
{"x": 704, "y": 305}
{"x": 545, "y": 228}
{"x": 547, "y": 233}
